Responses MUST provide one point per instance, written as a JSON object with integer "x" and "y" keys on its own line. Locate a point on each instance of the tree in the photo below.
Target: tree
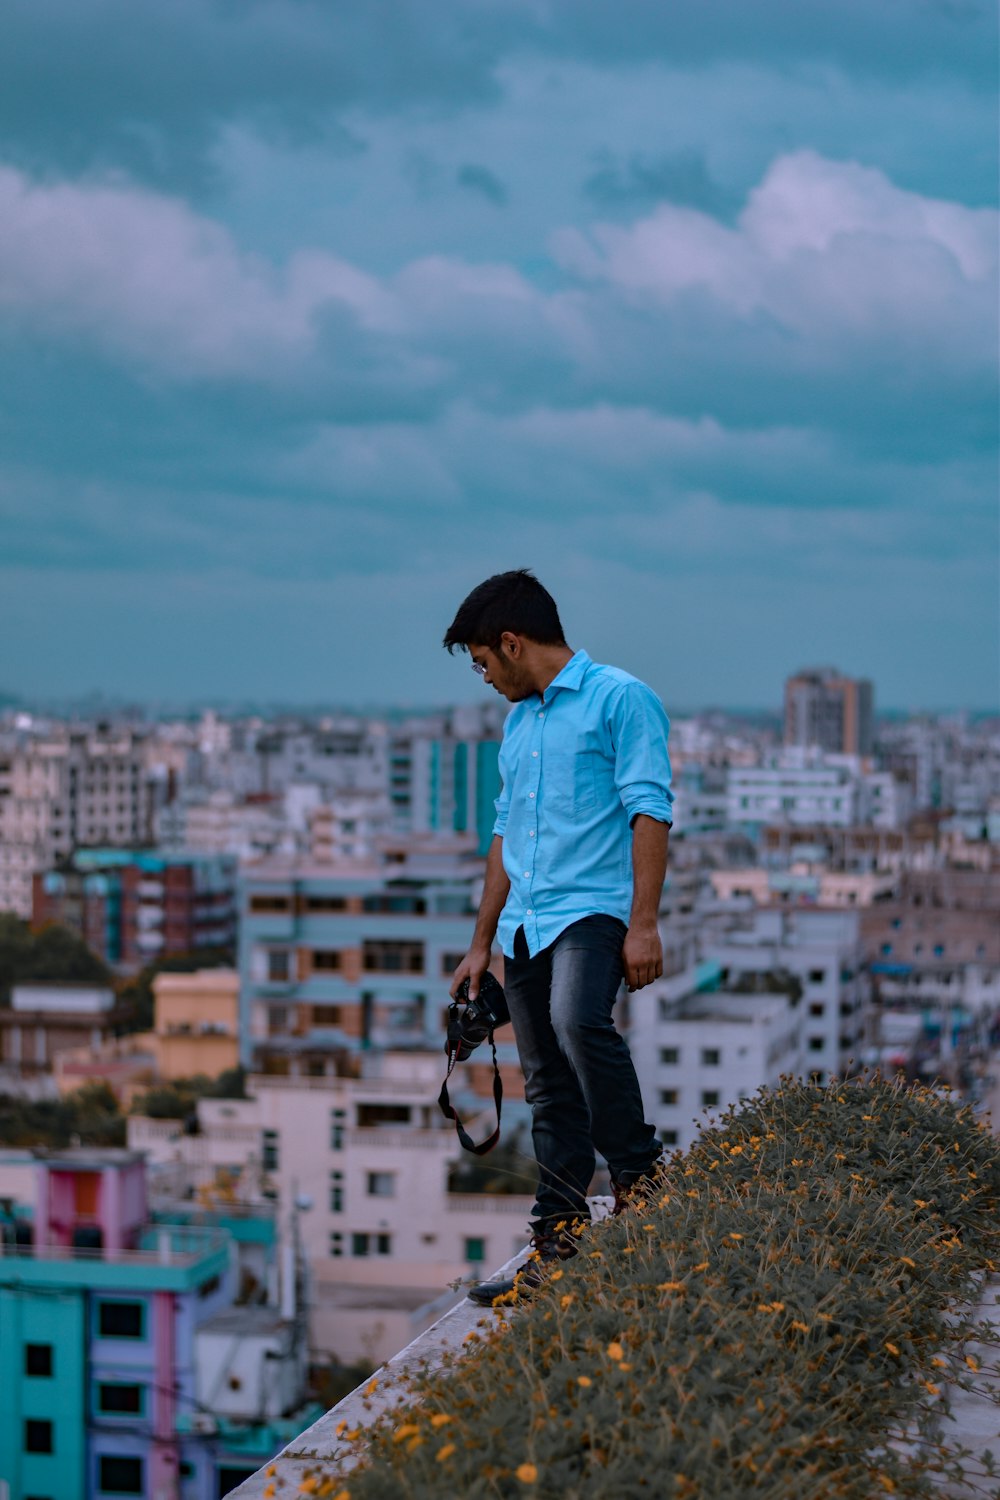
{"x": 54, "y": 955}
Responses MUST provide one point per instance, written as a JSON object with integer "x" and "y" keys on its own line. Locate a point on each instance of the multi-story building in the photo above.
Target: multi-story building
{"x": 371, "y": 1155}
{"x": 352, "y": 957}
{"x": 936, "y": 942}
{"x": 68, "y": 789}
{"x": 134, "y": 905}
{"x": 793, "y": 788}
{"x": 46, "y": 1019}
{"x": 702, "y": 1042}
{"x": 823, "y": 952}
{"x": 829, "y": 711}
{"x": 110, "y": 1355}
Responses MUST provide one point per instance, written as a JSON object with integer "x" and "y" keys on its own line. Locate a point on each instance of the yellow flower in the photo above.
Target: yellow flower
{"x": 342, "y": 1495}
{"x": 908, "y": 1262}
{"x": 269, "y": 1492}
{"x": 407, "y": 1430}
{"x": 584, "y": 1380}
{"x": 624, "y": 1365}
{"x": 649, "y": 1226}
{"x": 445, "y": 1452}
{"x": 615, "y": 1351}
{"x": 887, "y": 1483}
{"x": 802, "y": 1327}
{"x": 941, "y": 1364}
{"x": 929, "y": 1385}
{"x": 701, "y": 1266}
{"x": 670, "y": 1286}
{"x": 371, "y": 1386}
{"x": 272, "y": 1469}
{"x": 556, "y": 1276}
{"x": 308, "y": 1486}
{"x": 526, "y": 1473}
{"x": 440, "y": 1418}
{"x": 566, "y": 1300}
{"x": 972, "y": 1363}
{"x": 891, "y": 1348}
{"x": 735, "y": 1236}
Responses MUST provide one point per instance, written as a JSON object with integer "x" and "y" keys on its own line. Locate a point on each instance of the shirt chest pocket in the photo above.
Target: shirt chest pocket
{"x": 571, "y": 776}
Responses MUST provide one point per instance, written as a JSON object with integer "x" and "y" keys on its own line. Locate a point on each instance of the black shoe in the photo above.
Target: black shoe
{"x": 549, "y": 1248}
{"x": 633, "y": 1186}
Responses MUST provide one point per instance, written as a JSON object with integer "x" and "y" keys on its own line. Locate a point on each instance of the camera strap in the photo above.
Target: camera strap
{"x": 451, "y": 1113}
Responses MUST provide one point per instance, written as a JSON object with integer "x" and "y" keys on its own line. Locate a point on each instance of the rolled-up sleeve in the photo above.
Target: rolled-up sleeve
{"x": 639, "y": 732}
{"x": 502, "y": 803}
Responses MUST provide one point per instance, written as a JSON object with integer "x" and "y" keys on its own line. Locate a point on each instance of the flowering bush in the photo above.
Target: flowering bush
{"x": 781, "y": 1318}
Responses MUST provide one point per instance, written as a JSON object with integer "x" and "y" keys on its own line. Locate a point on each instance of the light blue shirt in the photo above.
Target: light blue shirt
{"x": 578, "y": 764}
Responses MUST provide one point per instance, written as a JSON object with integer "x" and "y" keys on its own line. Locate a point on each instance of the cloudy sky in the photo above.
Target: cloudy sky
{"x": 312, "y": 316}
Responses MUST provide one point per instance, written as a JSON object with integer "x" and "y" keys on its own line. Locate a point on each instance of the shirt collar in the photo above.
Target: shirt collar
{"x": 571, "y": 676}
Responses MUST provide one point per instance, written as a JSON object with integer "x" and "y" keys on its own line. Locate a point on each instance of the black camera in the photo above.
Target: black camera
{"x": 469, "y": 1024}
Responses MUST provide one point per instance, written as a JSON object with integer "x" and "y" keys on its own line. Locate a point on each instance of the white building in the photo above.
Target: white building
{"x": 383, "y": 1236}
{"x": 699, "y": 1047}
{"x": 794, "y": 788}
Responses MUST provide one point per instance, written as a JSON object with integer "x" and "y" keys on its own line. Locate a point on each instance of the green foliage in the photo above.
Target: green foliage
{"x": 178, "y": 1099}
{"x": 89, "y": 1117}
{"x": 793, "y": 1298}
{"x": 54, "y": 955}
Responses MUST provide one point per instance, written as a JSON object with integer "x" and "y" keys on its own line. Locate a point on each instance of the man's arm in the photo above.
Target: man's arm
{"x": 642, "y": 954}
{"x": 495, "y": 888}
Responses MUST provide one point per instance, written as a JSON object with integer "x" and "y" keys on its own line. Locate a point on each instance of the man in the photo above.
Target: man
{"x": 573, "y": 882}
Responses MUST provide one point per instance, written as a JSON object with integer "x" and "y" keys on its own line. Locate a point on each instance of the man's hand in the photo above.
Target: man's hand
{"x": 642, "y": 955}
{"x": 473, "y": 967}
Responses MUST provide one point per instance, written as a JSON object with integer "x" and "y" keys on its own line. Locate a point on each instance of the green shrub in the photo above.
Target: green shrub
{"x": 778, "y": 1320}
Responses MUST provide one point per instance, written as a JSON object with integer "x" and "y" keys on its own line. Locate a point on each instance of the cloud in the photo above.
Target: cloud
{"x": 481, "y": 180}
{"x": 681, "y": 178}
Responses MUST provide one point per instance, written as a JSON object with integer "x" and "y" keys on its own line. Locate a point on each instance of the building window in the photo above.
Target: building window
{"x": 38, "y": 1359}
{"x": 817, "y": 976}
{"x": 817, "y": 1009}
{"x": 373, "y": 1115}
{"x": 371, "y": 1244}
{"x": 669, "y": 1056}
{"x": 264, "y": 905}
{"x": 392, "y": 958}
{"x": 120, "y": 1400}
{"x": 709, "y": 1098}
{"x": 815, "y": 1044}
{"x": 450, "y": 962}
{"x": 668, "y": 1096}
{"x": 120, "y": 1320}
{"x": 326, "y": 1015}
{"x": 382, "y": 1184}
{"x": 118, "y": 1475}
{"x": 279, "y": 965}
{"x": 325, "y": 960}
{"x": 270, "y": 1152}
{"x": 336, "y": 1243}
{"x": 886, "y": 949}
{"x": 37, "y": 1436}
{"x": 710, "y": 1057}
{"x": 319, "y": 904}
{"x": 230, "y": 1475}
{"x": 668, "y": 1137}
{"x": 338, "y": 1121}
{"x": 407, "y": 905}
{"x": 336, "y": 1192}
{"x": 475, "y": 1250}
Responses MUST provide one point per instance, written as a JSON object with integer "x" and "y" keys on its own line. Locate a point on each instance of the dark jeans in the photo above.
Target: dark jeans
{"x": 578, "y": 1074}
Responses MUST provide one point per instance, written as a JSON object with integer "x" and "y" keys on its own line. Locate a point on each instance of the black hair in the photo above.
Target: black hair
{"x": 513, "y": 601}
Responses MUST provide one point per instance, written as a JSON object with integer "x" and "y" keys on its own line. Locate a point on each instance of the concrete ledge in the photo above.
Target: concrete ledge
{"x": 322, "y": 1443}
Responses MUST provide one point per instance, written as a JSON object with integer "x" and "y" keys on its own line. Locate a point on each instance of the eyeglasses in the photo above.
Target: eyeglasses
{"x": 479, "y": 669}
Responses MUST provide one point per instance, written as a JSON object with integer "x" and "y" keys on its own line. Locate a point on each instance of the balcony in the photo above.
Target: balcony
{"x": 166, "y": 1259}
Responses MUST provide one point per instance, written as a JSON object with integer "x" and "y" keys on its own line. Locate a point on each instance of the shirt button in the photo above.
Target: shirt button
{"x": 529, "y": 912}
{"x": 531, "y": 834}
{"x": 527, "y": 874}
{"x": 531, "y": 794}
{"x": 534, "y": 754}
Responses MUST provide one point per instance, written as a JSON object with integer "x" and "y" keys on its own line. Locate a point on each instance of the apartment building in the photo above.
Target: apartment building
{"x": 701, "y": 1041}
{"x": 829, "y": 711}
{"x": 351, "y": 957}
{"x": 367, "y": 1158}
{"x": 66, "y": 789}
{"x": 133, "y": 905}
{"x": 44, "y": 1020}
{"x": 937, "y": 941}
{"x": 110, "y": 1323}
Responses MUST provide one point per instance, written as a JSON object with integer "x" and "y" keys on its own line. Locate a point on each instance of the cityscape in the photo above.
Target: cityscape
{"x": 227, "y": 1191}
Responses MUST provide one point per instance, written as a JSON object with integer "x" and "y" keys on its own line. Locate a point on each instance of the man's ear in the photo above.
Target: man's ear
{"x": 511, "y": 644}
